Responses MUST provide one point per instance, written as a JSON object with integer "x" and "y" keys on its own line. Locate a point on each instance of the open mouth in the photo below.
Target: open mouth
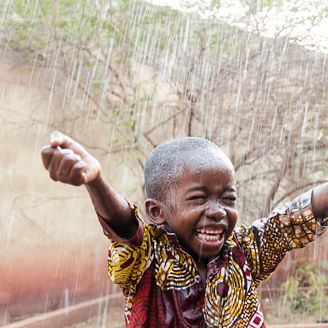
{"x": 210, "y": 235}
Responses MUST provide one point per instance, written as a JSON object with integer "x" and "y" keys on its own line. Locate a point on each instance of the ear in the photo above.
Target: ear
{"x": 155, "y": 211}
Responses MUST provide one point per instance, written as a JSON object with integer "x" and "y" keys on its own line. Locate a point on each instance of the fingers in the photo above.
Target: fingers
{"x": 64, "y": 165}
{"x": 69, "y": 162}
{"x": 59, "y": 139}
{"x": 78, "y": 173}
{"x": 61, "y": 164}
{"x": 47, "y": 153}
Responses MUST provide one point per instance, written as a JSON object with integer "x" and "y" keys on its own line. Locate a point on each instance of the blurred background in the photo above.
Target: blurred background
{"x": 120, "y": 77}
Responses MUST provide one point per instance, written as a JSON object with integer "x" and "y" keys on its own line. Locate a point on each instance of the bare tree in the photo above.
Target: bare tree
{"x": 152, "y": 74}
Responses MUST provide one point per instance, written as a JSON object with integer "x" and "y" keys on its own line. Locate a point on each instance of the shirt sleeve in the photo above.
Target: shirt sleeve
{"x": 128, "y": 259}
{"x": 289, "y": 227}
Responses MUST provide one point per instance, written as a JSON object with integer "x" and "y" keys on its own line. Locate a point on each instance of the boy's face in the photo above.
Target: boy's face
{"x": 201, "y": 206}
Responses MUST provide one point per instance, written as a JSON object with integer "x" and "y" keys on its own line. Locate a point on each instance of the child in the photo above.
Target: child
{"x": 190, "y": 267}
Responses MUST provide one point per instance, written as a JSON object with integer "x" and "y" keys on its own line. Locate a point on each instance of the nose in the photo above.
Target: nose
{"x": 215, "y": 210}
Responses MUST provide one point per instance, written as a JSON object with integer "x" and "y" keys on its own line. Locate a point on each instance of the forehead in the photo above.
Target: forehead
{"x": 213, "y": 164}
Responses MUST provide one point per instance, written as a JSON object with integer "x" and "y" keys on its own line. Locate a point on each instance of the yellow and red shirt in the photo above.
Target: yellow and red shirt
{"x": 161, "y": 284}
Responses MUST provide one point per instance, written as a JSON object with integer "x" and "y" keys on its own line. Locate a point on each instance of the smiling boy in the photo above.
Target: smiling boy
{"x": 190, "y": 267}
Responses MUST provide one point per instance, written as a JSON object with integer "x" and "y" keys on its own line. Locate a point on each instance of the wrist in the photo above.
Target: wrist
{"x": 97, "y": 182}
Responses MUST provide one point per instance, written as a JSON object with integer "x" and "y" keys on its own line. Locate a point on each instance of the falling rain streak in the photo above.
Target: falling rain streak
{"x": 121, "y": 77}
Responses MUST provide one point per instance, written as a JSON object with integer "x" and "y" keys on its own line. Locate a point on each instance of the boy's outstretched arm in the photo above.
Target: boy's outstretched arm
{"x": 320, "y": 200}
{"x": 69, "y": 162}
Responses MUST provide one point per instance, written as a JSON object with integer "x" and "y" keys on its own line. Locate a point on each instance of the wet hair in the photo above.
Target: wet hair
{"x": 165, "y": 162}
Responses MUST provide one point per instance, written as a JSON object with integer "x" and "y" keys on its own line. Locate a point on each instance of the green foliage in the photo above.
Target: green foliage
{"x": 304, "y": 290}
{"x": 102, "y": 50}
{"x": 43, "y": 25}
{"x": 99, "y": 83}
{"x": 271, "y": 3}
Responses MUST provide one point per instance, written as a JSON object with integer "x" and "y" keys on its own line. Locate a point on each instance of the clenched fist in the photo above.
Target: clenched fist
{"x": 69, "y": 162}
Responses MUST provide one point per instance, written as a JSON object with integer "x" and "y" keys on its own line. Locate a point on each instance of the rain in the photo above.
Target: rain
{"x": 121, "y": 77}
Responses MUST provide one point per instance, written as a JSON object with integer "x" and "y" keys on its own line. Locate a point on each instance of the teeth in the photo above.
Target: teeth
{"x": 210, "y": 232}
{"x": 209, "y": 237}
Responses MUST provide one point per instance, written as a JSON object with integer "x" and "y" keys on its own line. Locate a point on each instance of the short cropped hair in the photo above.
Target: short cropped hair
{"x": 162, "y": 165}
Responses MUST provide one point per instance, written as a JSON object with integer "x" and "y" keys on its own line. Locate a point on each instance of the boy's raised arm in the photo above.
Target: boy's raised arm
{"x": 69, "y": 162}
{"x": 320, "y": 200}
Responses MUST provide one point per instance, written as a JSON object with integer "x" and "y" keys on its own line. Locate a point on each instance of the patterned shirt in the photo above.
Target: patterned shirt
{"x": 161, "y": 284}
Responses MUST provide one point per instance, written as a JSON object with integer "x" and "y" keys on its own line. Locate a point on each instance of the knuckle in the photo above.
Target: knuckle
{"x": 45, "y": 149}
{"x": 80, "y": 165}
{"x": 72, "y": 157}
{"x": 65, "y": 160}
{"x": 67, "y": 151}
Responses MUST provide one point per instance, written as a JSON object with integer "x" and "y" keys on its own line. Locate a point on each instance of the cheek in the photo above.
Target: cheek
{"x": 233, "y": 215}
{"x": 185, "y": 211}
{"x": 184, "y": 222}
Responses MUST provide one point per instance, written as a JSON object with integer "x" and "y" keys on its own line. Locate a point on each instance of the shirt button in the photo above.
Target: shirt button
{"x": 197, "y": 279}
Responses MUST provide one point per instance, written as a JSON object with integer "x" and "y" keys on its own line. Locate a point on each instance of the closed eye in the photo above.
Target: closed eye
{"x": 195, "y": 197}
{"x": 230, "y": 200}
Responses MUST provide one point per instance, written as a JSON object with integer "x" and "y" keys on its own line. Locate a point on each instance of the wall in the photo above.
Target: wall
{"x": 52, "y": 248}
